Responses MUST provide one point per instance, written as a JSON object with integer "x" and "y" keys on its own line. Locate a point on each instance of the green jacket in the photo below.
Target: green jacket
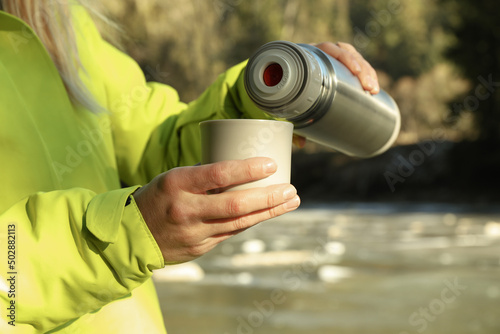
{"x": 74, "y": 257}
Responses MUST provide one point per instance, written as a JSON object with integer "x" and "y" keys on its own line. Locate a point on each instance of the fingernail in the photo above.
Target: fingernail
{"x": 292, "y": 204}
{"x": 357, "y": 67}
{"x": 375, "y": 88}
{"x": 369, "y": 83}
{"x": 270, "y": 167}
{"x": 289, "y": 193}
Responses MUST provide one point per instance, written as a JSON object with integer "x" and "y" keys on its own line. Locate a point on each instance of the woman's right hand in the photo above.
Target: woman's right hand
{"x": 187, "y": 222}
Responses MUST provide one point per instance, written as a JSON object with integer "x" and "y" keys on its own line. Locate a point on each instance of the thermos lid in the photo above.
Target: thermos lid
{"x": 283, "y": 79}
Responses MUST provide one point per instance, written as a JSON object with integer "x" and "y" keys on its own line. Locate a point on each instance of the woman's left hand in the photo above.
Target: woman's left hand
{"x": 354, "y": 61}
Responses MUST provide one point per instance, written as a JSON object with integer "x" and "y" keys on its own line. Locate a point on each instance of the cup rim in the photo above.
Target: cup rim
{"x": 243, "y": 120}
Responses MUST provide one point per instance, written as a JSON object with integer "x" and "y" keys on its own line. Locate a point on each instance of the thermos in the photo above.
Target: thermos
{"x": 322, "y": 98}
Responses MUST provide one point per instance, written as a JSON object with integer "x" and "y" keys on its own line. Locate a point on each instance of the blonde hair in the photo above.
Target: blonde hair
{"x": 52, "y": 22}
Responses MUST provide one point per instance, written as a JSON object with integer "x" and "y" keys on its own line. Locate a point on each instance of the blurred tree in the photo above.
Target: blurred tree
{"x": 187, "y": 43}
{"x": 477, "y": 52}
{"x": 401, "y": 37}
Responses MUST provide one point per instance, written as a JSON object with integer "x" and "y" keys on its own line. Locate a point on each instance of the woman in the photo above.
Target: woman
{"x": 77, "y": 120}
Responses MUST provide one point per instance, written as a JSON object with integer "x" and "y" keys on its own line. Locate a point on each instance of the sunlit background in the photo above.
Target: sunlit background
{"x": 384, "y": 245}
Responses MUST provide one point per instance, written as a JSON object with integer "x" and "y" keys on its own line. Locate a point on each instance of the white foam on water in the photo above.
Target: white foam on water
{"x": 184, "y": 272}
{"x": 334, "y": 274}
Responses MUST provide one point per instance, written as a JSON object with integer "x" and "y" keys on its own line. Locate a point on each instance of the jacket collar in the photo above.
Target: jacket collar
{"x": 9, "y": 22}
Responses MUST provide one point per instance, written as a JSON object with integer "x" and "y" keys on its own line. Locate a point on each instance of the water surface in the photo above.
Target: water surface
{"x": 349, "y": 268}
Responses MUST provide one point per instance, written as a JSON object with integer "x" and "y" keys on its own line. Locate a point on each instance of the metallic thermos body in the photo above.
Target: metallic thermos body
{"x": 322, "y": 98}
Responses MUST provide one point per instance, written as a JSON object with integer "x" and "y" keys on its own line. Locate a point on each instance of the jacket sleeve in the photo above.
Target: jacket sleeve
{"x": 153, "y": 131}
{"x": 84, "y": 261}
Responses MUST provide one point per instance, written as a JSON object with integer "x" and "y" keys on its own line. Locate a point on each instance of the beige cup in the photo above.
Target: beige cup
{"x": 237, "y": 139}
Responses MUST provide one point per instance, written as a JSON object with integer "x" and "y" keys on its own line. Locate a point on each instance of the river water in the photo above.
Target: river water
{"x": 348, "y": 268}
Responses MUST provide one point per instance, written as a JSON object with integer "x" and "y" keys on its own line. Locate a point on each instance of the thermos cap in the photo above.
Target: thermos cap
{"x": 283, "y": 79}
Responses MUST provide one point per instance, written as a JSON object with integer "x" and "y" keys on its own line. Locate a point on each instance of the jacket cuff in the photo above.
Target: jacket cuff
{"x": 123, "y": 236}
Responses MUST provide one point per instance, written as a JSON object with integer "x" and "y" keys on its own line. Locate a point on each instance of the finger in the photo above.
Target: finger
{"x": 299, "y": 141}
{"x": 210, "y": 242}
{"x": 231, "y": 226}
{"x": 344, "y": 56}
{"x": 223, "y": 174}
{"x": 367, "y": 76}
{"x": 354, "y": 61}
{"x": 232, "y": 204}
{"x": 218, "y": 238}
{"x": 224, "y": 236}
